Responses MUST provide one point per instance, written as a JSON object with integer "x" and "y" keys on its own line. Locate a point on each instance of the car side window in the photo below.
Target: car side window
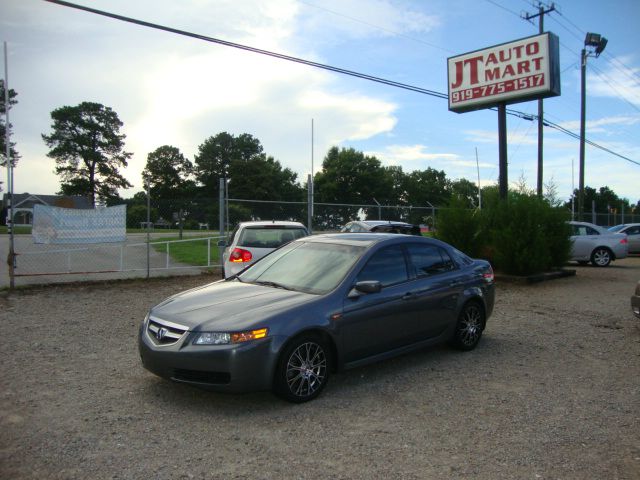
{"x": 633, "y": 231}
{"x": 427, "y": 260}
{"x": 386, "y": 266}
{"x": 583, "y": 230}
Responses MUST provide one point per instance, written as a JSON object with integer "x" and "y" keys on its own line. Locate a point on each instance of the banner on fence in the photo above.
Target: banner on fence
{"x": 69, "y": 225}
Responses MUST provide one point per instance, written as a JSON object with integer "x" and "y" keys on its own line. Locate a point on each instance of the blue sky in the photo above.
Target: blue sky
{"x": 174, "y": 90}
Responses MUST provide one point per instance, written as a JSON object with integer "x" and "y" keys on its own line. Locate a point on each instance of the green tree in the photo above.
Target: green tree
{"x": 428, "y": 186}
{"x": 604, "y": 199}
{"x": 3, "y": 128}
{"x": 168, "y": 173}
{"x": 349, "y": 176}
{"x": 263, "y": 178}
{"x": 466, "y": 190}
{"x": 88, "y": 149}
{"x": 215, "y": 155}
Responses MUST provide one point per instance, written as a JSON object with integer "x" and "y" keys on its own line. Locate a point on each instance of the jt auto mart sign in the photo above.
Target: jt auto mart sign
{"x": 513, "y": 72}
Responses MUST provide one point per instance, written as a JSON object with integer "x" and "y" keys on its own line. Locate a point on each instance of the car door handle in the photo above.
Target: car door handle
{"x": 408, "y": 296}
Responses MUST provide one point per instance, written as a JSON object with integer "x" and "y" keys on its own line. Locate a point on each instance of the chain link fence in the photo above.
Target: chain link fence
{"x": 181, "y": 236}
{"x": 178, "y": 236}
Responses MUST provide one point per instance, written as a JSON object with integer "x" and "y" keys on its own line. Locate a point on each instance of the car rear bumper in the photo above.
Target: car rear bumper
{"x": 235, "y": 368}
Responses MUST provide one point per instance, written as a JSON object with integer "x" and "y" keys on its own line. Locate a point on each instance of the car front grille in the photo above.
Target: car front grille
{"x": 164, "y": 333}
{"x": 197, "y": 376}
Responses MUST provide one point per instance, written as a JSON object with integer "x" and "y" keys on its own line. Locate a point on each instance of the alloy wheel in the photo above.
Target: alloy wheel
{"x": 306, "y": 369}
{"x": 470, "y": 326}
{"x": 601, "y": 257}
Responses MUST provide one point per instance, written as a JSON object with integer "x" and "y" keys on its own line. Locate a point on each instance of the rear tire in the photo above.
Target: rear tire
{"x": 469, "y": 328}
{"x": 303, "y": 369}
{"x": 601, "y": 257}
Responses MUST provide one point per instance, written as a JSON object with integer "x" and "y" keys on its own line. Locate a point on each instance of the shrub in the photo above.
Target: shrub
{"x": 522, "y": 236}
{"x": 460, "y": 226}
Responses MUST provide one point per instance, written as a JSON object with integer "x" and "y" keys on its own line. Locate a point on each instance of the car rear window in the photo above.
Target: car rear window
{"x": 269, "y": 237}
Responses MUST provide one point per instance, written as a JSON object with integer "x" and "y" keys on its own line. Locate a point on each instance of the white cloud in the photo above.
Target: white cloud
{"x": 616, "y": 79}
{"x": 357, "y": 19}
{"x": 174, "y": 90}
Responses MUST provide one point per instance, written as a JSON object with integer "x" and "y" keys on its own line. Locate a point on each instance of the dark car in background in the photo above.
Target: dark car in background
{"x": 380, "y": 226}
{"x": 317, "y": 305}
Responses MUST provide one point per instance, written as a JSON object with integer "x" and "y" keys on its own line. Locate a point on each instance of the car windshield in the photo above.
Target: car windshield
{"x": 310, "y": 267}
{"x": 269, "y": 236}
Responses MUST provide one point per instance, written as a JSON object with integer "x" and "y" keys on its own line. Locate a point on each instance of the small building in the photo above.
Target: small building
{"x": 23, "y": 206}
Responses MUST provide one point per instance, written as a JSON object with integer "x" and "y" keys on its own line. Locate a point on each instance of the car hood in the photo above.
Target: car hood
{"x": 228, "y": 306}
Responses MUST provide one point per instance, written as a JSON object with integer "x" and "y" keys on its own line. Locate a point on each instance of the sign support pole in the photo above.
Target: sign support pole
{"x": 502, "y": 147}
{"x": 11, "y": 259}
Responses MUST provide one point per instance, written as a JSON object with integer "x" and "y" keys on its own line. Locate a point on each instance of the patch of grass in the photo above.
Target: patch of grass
{"x": 16, "y": 230}
{"x": 192, "y": 251}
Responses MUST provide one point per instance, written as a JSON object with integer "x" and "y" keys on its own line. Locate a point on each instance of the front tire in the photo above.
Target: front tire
{"x": 601, "y": 257}
{"x": 303, "y": 369}
{"x": 469, "y": 328}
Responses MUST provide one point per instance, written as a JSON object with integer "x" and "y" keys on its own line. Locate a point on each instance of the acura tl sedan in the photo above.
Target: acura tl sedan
{"x": 315, "y": 306}
{"x": 591, "y": 243}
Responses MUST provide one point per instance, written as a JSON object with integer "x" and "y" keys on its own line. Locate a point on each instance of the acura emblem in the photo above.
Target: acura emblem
{"x": 161, "y": 333}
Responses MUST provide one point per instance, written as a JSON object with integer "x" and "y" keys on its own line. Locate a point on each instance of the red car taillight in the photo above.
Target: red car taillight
{"x": 488, "y": 275}
{"x": 240, "y": 255}
{"x": 624, "y": 241}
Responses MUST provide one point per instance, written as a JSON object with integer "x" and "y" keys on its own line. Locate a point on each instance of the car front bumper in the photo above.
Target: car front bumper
{"x": 236, "y": 368}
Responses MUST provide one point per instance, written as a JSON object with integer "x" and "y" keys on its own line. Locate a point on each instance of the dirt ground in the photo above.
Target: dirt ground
{"x": 552, "y": 392}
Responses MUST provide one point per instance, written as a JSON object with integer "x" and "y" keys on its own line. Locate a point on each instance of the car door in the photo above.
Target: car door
{"x": 436, "y": 284}
{"x": 376, "y": 322}
{"x": 583, "y": 240}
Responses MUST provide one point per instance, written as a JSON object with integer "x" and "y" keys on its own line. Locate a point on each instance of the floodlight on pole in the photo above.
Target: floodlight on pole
{"x": 597, "y": 43}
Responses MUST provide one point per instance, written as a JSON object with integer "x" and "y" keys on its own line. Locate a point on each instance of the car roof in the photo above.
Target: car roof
{"x": 375, "y": 223}
{"x": 263, "y": 223}
{"x": 368, "y": 239}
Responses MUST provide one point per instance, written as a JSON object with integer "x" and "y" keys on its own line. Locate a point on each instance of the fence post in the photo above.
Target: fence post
{"x": 148, "y": 231}
{"x": 221, "y": 197}
{"x": 309, "y": 203}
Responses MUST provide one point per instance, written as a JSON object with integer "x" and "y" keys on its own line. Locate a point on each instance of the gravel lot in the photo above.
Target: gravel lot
{"x": 552, "y": 392}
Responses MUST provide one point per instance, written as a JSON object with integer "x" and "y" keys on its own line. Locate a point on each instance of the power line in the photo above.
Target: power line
{"x": 503, "y": 8}
{"x": 606, "y": 79}
{"x": 280, "y": 56}
{"x": 251, "y": 49}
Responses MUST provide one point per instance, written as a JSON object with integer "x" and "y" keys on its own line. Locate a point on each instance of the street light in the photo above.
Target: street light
{"x": 597, "y": 44}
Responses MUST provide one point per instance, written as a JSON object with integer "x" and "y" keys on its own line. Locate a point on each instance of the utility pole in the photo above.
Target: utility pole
{"x": 541, "y": 13}
{"x": 598, "y": 44}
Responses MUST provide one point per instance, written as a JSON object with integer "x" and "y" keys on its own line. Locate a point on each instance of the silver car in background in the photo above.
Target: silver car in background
{"x": 591, "y": 243}
{"x": 632, "y": 230}
{"x": 250, "y": 241}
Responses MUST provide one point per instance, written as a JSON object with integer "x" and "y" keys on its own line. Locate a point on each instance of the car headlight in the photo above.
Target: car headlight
{"x": 220, "y": 338}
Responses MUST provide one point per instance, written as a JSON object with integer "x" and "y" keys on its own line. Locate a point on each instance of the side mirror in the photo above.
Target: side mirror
{"x": 222, "y": 243}
{"x": 365, "y": 287}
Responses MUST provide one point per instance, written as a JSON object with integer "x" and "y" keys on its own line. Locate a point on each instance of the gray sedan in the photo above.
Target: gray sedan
{"x": 632, "y": 230}
{"x": 591, "y": 243}
{"x": 317, "y": 305}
